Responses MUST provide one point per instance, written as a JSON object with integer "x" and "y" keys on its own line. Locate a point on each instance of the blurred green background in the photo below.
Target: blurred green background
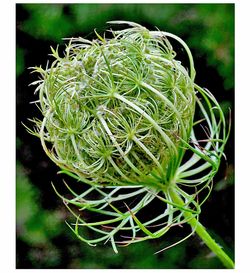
{"x": 43, "y": 239}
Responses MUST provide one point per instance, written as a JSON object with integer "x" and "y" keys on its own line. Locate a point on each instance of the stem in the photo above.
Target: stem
{"x": 203, "y": 234}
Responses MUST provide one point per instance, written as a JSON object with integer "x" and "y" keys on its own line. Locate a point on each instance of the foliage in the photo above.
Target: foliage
{"x": 207, "y": 28}
{"x": 36, "y": 226}
{"x": 19, "y": 61}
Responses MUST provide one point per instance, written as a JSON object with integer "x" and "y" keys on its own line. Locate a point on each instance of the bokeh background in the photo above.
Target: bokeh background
{"x": 42, "y": 238}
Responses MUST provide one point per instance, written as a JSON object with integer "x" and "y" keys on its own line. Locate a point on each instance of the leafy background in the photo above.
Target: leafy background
{"x": 42, "y": 238}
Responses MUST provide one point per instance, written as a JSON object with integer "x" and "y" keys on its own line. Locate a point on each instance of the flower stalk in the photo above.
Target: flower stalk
{"x": 203, "y": 234}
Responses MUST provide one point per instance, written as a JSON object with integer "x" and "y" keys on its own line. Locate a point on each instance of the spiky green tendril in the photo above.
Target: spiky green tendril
{"x": 119, "y": 116}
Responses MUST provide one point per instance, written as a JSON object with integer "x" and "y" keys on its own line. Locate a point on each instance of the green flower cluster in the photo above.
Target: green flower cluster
{"x": 117, "y": 109}
{"x": 118, "y": 114}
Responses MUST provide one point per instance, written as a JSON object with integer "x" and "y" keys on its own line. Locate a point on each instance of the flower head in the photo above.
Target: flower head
{"x": 119, "y": 116}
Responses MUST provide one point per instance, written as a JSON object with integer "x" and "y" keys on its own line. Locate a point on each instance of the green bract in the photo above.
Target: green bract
{"x": 118, "y": 115}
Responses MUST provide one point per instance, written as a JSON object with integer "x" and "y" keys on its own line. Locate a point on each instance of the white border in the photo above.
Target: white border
{"x": 242, "y": 133}
{"x": 7, "y": 141}
{"x": 130, "y": 1}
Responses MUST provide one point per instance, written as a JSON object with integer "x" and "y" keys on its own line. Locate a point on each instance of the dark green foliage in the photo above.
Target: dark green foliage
{"x": 207, "y": 28}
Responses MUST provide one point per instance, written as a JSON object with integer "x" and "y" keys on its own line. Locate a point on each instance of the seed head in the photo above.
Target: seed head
{"x": 118, "y": 114}
{"x": 115, "y": 110}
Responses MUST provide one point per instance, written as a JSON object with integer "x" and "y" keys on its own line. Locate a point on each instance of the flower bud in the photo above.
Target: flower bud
{"x": 115, "y": 110}
{"x": 118, "y": 115}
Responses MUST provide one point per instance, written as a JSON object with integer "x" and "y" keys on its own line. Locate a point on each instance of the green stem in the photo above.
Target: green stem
{"x": 203, "y": 234}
